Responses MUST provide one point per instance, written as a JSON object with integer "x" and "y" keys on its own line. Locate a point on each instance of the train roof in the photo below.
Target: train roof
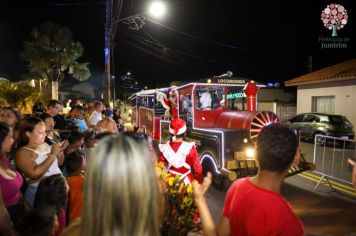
{"x": 149, "y": 92}
{"x": 216, "y": 80}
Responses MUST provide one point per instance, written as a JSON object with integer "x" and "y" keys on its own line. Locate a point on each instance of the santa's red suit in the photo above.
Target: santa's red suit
{"x": 180, "y": 158}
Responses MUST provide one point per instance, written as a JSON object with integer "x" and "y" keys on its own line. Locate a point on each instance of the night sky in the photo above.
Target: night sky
{"x": 261, "y": 40}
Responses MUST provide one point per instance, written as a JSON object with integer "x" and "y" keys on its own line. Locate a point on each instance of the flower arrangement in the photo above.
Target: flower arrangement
{"x": 181, "y": 215}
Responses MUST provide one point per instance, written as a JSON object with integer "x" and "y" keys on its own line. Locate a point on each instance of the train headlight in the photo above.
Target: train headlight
{"x": 130, "y": 111}
{"x": 245, "y": 140}
{"x": 250, "y": 153}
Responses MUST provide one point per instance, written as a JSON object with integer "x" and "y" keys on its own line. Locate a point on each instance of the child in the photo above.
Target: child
{"x": 76, "y": 140}
{"x": 89, "y": 140}
{"x": 75, "y": 165}
{"x": 40, "y": 222}
{"x": 53, "y": 191}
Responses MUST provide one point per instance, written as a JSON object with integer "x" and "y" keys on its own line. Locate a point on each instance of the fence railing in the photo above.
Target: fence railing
{"x": 330, "y": 158}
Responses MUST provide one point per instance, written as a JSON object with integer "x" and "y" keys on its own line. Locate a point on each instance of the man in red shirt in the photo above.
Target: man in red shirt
{"x": 254, "y": 206}
{"x": 180, "y": 157}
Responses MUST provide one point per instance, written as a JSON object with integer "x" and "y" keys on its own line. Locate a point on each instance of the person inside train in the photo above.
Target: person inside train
{"x": 205, "y": 100}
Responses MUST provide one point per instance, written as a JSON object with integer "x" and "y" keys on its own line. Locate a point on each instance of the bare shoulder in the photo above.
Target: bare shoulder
{"x": 22, "y": 153}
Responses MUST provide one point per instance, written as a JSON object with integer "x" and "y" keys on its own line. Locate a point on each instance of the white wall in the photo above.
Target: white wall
{"x": 267, "y": 106}
{"x": 344, "y": 92}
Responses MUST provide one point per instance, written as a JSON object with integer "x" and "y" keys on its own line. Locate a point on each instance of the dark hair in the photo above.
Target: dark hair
{"x": 52, "y": 192}
{"x": 27, "y": 124}
{"x": 74, "y": 161}
{"x": 45, "y": 116}
{"x": 101, "y": 135}
{"x": 4, "y": 131}
{"x": 89, "y": 134}
{"x": 96, "y": 104}
{"x": 38, "y": 107}
{"x": 75, "y": 136}
{"x": 16, "y": 113}
{"x": 276, "y": 147}
{"x": 39, "y": 222}
{"x": 77, "y": 108}
{"x": 53, "y": 103}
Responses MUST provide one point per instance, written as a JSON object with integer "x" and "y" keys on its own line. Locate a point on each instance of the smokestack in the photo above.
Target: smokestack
{"x": 251, "y": 90}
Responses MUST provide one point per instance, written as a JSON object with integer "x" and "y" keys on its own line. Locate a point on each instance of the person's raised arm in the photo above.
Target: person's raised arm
{"x": 207, "y": 220}
{"x": 200, "y": 202}
{"x": 352, "y": 163}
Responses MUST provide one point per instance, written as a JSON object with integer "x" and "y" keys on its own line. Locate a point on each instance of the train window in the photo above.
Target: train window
{"x": 236, "y": 99}
{"x": 210, "y": 98}
{"x": 186, "y": 108}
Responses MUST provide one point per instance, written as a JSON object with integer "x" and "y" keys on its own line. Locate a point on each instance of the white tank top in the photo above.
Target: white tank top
{"x": 52, "y": 170}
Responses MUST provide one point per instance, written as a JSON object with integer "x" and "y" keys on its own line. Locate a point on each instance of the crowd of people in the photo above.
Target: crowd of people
{"x": 84, "y": 175}
{"x": 43, "y": 159}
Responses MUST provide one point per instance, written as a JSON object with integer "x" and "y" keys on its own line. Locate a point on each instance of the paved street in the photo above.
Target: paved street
{"x": 324, "y": 211}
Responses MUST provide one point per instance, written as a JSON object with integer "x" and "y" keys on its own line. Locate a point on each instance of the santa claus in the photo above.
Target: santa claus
{"x": 180, "y": 157}
{"x": 169, "y": 102}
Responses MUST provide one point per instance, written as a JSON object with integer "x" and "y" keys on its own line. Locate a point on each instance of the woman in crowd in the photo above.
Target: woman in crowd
{"x": 10, "y": 181}
{"x": 121, "y": 195}
{"x": 12, "y": 118}
{"x": 51, "y": 138}
{"x": 107, "y": 124}
{"x": 33, "y": 164}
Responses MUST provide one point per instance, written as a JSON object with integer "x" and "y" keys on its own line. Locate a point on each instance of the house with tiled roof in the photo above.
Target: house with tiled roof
{"x": 330, "y": 90}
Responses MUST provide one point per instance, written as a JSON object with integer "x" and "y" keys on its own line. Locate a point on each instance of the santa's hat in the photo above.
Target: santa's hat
{"x": 177, "y": 127}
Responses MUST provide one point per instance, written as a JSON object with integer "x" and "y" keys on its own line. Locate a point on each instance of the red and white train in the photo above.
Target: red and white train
{"x": 221, "y": 119}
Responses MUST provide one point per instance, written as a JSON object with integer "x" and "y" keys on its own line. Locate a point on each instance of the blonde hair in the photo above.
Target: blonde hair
{"x": 121, "y": 195}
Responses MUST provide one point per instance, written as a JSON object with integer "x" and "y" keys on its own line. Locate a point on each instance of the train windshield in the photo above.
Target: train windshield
{"x": 236, "y": 98}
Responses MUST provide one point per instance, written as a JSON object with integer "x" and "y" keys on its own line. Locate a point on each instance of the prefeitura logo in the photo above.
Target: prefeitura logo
{"x": 334, "y": 17}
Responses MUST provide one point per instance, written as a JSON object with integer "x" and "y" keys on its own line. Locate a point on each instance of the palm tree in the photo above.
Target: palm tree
{"x": 50, "y": 53}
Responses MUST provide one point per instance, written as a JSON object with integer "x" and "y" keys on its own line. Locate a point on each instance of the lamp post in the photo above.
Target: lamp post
{"x": 156, "y": 9}
{"x": 114, "y": 92}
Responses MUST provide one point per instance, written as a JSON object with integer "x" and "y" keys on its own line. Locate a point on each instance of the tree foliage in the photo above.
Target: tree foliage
{"x": 51, "y": 52}
{"x": 22, "y": 93}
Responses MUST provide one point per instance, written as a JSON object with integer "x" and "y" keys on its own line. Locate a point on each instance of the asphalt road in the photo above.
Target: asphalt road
{"x": 324, "y": 211}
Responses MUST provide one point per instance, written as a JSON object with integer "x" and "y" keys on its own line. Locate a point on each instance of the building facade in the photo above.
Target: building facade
{"x": 329, "y": 90}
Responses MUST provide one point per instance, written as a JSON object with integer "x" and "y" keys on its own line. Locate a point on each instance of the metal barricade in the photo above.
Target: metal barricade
{"x": 330, "y": 157}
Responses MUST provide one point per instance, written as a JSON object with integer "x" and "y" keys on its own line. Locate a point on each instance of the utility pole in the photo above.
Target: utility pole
{"x": 107, "y": 50}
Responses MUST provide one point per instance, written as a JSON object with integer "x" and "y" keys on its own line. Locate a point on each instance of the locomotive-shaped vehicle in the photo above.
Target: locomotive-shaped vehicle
{"x": 221, "y": 119}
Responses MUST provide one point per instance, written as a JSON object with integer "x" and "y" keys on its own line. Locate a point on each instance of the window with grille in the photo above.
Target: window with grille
{"x": 324, "y": 104}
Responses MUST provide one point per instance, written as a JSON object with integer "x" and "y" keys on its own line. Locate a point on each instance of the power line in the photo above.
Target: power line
{"x": 157, "y": 43}
{"x": 160, "y": 50}
{"x": 200, "y": 38}
{"x": 154, "y": 54}
{"x": 165, "y": 53}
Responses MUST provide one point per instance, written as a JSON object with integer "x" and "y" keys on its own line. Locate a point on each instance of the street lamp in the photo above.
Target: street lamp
{"x": 157, "y": 9}
{"x": 135, "y": 22}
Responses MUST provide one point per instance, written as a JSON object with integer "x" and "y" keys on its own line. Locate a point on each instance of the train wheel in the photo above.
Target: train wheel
{"x": 261, "y": 119}
{"x": 207, "y": 158}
